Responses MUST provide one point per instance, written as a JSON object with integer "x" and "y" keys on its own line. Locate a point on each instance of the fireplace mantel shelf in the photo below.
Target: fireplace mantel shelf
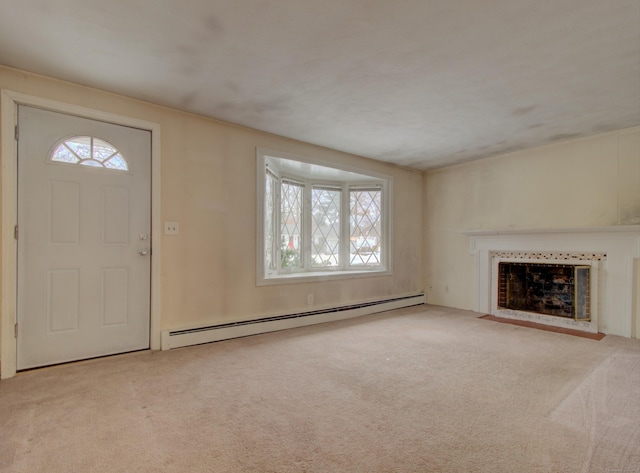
{"x": 531, "y": 231}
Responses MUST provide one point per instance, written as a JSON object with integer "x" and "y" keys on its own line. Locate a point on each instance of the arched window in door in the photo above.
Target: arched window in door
{"x": 89, "y": 151}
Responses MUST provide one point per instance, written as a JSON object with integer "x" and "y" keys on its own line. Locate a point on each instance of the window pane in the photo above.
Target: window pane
{"x": 365, "y": 226}
{"x": 270, "y": 222}
{"x": 325, "y": 227}
{"x": 63, "y": 154}
{"x": 81, "y": 145}
{"x": 102, "y": 150}
{"x": 116, "y": 162}
{"x": 291, "y": 225}
{"x": 88, "y": 151}
{"x": 91, "y": 162}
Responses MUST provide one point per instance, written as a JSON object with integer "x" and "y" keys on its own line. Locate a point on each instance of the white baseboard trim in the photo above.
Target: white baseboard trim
{"x": 214, "y": 333}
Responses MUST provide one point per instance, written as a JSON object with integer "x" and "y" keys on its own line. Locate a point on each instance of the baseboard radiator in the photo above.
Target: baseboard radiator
{"x": 214, "y": 333}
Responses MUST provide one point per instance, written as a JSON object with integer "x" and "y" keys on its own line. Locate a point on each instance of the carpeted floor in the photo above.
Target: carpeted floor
{"x": 423, "y": 389}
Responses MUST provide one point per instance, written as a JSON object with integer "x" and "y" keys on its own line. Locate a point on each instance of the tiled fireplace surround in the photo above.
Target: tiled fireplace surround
{"x": 612, "y": 252}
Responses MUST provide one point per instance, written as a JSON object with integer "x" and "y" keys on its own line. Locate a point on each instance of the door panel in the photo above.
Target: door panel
{"x": 64, "y": 199}
{"x": 83, "y": 286}
{"x": 115, "y": 293}
{"x": 63, "y": 300}
{"x": 115, "y": 216}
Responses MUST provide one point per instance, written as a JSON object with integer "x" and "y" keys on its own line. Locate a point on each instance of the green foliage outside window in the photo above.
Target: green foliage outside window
{"x": 290, "y": 258}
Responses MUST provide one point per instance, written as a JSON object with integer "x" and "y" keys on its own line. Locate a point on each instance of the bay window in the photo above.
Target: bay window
{"x": 318, "y": 220}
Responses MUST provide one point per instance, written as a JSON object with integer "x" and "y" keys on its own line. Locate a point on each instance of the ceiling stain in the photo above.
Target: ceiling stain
{"x": 604, "y": 127}
{"x": 519, "y": 112}
{"x": 186, "y": 50}
{"x": 213, "y": 25}
{"x": 254, "y": 108}
{"x": 189, "y": 99}
{"x": 232, "y": 87}
{"x": 564, "y": 136}
{"x": 507, "y": 150}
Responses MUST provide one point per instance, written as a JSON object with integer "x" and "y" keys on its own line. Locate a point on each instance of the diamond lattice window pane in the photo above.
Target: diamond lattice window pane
{"x": 325, "y": 227}
{"x": 89, "y": 151}
{"x": 270, "y": 222}
{"x": 365, "y": 227}
{"x": 291, "y": 225}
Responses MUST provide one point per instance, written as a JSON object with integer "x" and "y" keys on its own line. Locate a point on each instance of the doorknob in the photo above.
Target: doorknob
{"x": 143, "y": 252}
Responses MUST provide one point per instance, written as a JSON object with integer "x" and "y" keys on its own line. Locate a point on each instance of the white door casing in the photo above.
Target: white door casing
{"x": 83, "y": 286}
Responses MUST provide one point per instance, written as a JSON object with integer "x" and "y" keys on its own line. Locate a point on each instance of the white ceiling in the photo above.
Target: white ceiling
{"x": 420, "y": 83}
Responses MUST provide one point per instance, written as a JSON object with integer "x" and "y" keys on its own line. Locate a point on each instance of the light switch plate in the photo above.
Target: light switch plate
{"x": 171, "y": 228}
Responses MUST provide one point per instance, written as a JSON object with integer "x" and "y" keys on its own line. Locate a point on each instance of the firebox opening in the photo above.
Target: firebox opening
{"x": 553, "y": 289}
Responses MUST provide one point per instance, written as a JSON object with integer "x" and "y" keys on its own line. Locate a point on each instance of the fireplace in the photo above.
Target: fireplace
{"x": 561, "y": 290}
{"x": 612, "y": 255}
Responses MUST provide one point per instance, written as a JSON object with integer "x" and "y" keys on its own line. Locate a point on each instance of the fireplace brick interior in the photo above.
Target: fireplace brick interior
{"x": 553, "y": 289}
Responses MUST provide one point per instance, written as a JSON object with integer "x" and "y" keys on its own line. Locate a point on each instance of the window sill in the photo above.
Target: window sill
{"x": 293, "y": 278}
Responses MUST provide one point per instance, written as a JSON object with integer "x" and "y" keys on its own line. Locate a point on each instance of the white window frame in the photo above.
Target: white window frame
{"x": 343, "y": 176}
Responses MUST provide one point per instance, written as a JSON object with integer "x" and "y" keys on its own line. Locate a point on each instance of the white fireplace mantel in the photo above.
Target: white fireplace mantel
{"x": 617, "y": 271}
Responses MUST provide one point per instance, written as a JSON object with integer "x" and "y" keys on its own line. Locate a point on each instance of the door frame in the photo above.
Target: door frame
{"x": 9, "y": 101}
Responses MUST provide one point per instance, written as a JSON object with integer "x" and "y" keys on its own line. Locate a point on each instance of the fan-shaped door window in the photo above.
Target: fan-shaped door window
{"x": 89, "y": 151}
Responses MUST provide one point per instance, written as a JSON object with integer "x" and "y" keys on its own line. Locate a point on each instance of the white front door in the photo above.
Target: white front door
{"x": 83, "y": 238}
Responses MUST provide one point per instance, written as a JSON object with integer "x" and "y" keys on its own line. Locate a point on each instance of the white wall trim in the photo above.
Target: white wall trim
{"x": 9, "y": 101}
{"x": 8, "y": 359}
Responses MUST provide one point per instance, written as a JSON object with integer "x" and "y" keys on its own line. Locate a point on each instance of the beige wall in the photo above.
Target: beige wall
{"x": 582, "y": 183}
{"x": 208, "y": 186}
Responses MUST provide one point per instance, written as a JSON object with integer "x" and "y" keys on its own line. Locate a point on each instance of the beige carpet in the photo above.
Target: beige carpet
{"x": 414, "y": 390}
